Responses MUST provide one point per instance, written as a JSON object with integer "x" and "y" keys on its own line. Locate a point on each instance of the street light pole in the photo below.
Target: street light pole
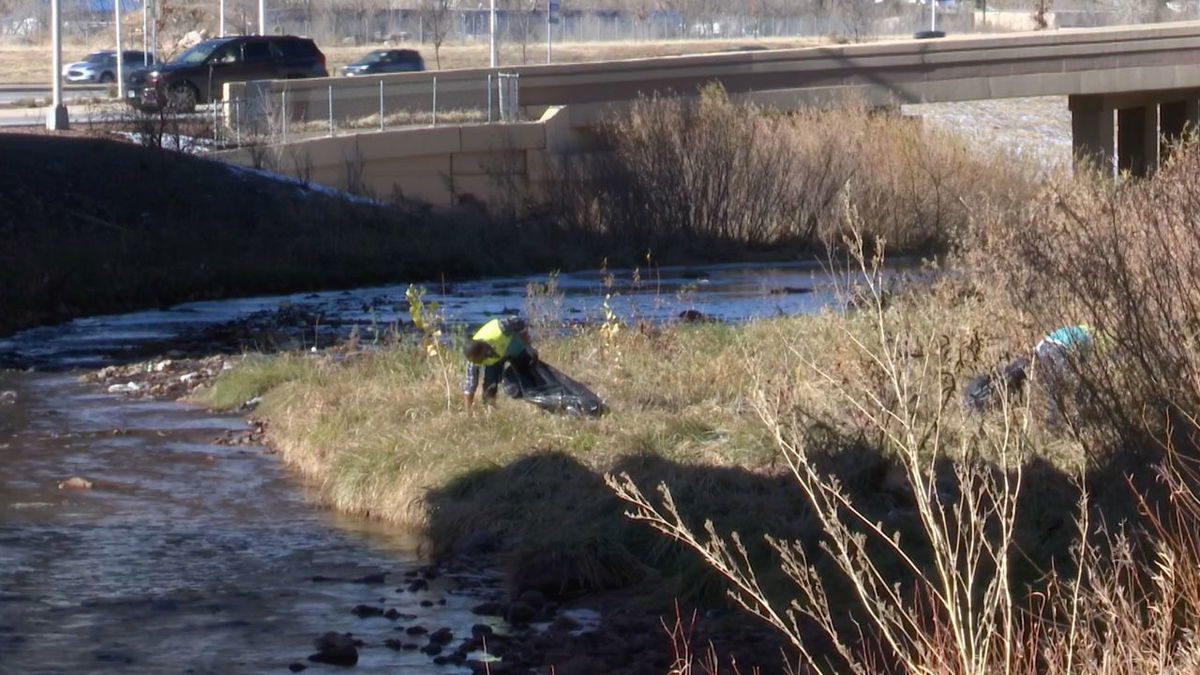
{"x": 120, "y": 52}
{"x": 56, "y": 116}
{"x": 492, "y": 32}
{"x": 221, "y": 22}
{"x": 262, "y": 17}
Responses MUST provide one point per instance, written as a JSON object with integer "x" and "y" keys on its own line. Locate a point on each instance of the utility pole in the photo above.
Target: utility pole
{"x": 56, "y": 116}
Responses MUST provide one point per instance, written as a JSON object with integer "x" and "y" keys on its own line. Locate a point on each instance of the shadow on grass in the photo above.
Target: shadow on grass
{"x": 561, "y": 530}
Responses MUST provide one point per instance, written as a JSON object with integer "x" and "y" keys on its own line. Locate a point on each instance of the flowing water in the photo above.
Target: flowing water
{"x": 189, "y": 556}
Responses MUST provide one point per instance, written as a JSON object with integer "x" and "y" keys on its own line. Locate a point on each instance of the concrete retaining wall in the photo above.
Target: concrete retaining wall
{"x": 442, "y": 166}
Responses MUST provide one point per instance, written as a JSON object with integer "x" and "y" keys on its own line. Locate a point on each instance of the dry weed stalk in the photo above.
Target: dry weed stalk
{"x": 941, "y": 604}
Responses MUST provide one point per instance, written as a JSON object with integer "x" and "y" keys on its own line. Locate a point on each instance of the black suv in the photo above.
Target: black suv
{"x": 199, "y": 74}
{"x": 386, "y": 61}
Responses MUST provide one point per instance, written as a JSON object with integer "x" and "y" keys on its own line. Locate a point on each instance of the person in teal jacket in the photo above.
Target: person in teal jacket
{"x": 1056, "y": 359}
{"x": 497, "y": 344}
{"x": 1053, "y": 363}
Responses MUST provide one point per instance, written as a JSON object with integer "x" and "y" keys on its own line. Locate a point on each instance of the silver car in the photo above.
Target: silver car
{"x": 101, "y": 66}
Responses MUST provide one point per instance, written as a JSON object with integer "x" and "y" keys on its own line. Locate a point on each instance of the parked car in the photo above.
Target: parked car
{"x": 101, "y": 66}
{"x": 386, "y": 61}
{"x": 199, "y": 74}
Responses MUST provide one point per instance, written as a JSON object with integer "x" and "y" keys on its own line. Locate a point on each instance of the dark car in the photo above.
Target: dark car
{"x": 199, "y": 74}
{"x": 386, "y": 61}
{"x": 101, "y": 66}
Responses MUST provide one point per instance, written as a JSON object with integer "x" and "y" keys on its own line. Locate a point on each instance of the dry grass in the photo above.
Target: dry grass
{"x": 30, "y": 63}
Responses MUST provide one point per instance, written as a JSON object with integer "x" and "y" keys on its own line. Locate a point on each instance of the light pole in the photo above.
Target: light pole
{"x": 492, "y": 32}
{"x": 262, "y": 17}
{"x": 56, "y": 116}
{"x": 120, "y": 52}
{"x": 221, "y": 21}
{"x": 932, "y": 15}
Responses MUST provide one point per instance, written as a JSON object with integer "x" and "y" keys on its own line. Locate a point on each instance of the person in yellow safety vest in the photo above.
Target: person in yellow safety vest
{"x": 497, "y": 343}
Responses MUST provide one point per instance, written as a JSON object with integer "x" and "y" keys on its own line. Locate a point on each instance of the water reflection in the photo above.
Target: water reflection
{"x": 734, "y": 292}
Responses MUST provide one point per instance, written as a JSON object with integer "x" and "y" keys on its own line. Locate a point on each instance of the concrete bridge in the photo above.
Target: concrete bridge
{"x": 1131, "y": 90}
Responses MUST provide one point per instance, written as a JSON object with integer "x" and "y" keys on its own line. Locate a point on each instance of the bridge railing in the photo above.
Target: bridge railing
{"x": 274, "y": 111}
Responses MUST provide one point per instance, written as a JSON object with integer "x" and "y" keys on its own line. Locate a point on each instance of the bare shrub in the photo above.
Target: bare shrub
{"x": 1124, "y": 257}
{"x": 697, "y": 172}
{"x": 927, "y": 591}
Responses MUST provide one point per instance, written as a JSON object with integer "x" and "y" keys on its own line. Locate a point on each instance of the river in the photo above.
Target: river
{"x": 191, "y": 556}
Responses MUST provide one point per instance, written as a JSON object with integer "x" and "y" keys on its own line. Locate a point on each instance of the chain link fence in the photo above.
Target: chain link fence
{"x": 265, "y": 115}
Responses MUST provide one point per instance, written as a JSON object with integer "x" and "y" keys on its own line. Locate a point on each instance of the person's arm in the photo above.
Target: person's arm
{"x": 520, "y": 328}
{"x": 471, "y": 383}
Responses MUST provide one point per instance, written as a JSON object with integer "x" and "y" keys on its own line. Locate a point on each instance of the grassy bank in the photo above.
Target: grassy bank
{"x": 385, "y": 435}
{"x": 885, "y": 528}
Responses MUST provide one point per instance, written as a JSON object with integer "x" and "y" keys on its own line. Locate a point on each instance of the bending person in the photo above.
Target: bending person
{"x": 1057, "y": 358}
{"x": 497, "y": 344}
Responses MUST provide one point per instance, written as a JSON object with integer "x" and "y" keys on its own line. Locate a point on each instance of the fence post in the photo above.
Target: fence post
{"x": 502, "y": 96}
{"x": 237, "y": 129}
{"x": 435, "y": 100}
{"x": 381, "y": 104}
{"x": 283, "y": 113}
{"x": 331, "y": 129}
{"x": 489, "y": 88}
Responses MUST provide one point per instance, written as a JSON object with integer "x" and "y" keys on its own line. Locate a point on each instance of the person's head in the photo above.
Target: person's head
{"x": 478, "y": 351}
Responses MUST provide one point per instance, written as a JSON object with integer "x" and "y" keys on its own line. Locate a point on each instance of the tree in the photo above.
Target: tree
{"x": 436, "y": 17}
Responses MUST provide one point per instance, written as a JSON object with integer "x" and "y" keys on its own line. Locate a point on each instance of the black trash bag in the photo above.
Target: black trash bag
{"x": 981, "y": 390}
{"x": 550, "y": 390}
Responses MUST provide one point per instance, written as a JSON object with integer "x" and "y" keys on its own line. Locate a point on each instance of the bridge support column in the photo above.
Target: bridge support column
{"x": 1091, "y": 132}
{"x": 1176, "y": 118}
{"x": 1137, "y": 140}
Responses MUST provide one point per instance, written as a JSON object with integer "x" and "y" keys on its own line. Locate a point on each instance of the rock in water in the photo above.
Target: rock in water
{"x": 75, "y": 483}
{"x": 335, "y": 648}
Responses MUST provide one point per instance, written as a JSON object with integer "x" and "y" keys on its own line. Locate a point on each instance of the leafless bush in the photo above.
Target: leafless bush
{"x": 1124, "y": 257}
{"x": 713, "y": 169}
{"x": 926, "y": 592}
{"x": 930, "y": 586}
{"x": 165, "y": 129}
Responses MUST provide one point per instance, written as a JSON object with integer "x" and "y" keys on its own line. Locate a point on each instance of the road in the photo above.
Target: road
{"x": 12, "y": 115}
{"x": 11, "y": 93}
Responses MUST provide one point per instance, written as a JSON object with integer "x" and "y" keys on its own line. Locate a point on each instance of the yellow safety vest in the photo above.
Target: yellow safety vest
{"x": 493, "y": 333}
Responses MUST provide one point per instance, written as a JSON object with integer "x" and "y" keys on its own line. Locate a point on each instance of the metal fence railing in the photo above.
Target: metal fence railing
{"x": 265, "y": 114}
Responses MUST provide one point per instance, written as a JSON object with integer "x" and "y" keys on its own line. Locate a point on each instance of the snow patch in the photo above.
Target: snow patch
{"x": 310, "y": 188}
